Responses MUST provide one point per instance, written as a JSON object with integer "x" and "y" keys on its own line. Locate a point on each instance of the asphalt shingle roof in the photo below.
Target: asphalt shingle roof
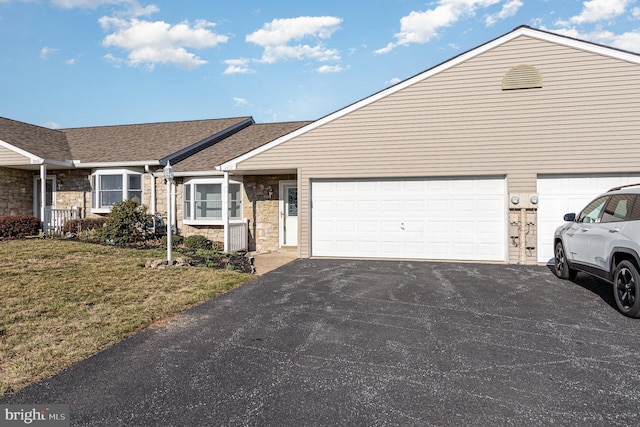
{"x": 236, "y": 145}
{"x": 43, "y": 142}
{"x": 140, "y": 142}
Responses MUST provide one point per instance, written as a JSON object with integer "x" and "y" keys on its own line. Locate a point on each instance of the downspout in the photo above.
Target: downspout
{"x": 43, "y": 195}
{"x": 225, "y": 210}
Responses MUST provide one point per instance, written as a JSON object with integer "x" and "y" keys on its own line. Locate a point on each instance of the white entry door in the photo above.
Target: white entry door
{"x": 288, "y": 213}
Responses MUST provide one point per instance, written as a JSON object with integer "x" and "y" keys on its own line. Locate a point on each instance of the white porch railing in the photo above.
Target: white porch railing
{"x": 239, "y": 236}
{"x": 56, "y": 218}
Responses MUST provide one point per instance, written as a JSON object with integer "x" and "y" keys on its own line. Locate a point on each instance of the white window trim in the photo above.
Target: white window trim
{"x": 125, "y": 172}
{"x": 195, "y": 181}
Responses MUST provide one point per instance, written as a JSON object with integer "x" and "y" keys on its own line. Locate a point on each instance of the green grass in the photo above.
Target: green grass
{"x": 62, "y": 301}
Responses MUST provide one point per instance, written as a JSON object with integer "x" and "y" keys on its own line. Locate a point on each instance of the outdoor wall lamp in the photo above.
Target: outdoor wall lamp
{"x": 269, "y": 192}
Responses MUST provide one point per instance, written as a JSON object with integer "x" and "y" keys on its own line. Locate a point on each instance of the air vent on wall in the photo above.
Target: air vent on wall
{"x": 522, "y": 77}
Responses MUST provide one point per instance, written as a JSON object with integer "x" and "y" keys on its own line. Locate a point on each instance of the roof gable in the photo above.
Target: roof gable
{"x": 237, "y": 144}
{"x": 34, "y": 142}
{"x": 518, "y": 32}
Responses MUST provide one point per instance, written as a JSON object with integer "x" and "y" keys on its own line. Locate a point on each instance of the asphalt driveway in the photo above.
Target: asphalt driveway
{"x": 329, "y": 342}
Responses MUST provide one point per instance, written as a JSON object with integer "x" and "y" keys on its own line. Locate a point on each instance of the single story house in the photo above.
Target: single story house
{"x": 475, "y": 159}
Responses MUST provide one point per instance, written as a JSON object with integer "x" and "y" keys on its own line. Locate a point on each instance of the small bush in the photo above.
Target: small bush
{"x": 198, "y": 242}
{"x": 77, "y": 225}
{"x": 127, "y": 224}
{"x": 176, "y": 239}
{"x": 19, "y": 226}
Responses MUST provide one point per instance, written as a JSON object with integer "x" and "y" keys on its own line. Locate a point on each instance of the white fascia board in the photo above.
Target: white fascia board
{"x": 35, "y": 160}
{"x": 94, "y": 165}
{"x": 215, "y": 173}
{"x": 521, "y": 31}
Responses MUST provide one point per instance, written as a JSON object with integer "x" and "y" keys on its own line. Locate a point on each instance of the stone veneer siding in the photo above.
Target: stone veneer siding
{"x": 16, "y": 192}
{"x": 263, "y": 212}
{"x": 73, "y": 189}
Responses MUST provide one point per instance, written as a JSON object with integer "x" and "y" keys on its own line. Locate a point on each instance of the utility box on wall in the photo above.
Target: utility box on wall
{"x": 523, "y": 200}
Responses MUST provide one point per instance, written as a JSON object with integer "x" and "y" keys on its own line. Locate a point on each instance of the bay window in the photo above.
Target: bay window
{"x": 202, "y": 201}
{"x": 112, "y": 186}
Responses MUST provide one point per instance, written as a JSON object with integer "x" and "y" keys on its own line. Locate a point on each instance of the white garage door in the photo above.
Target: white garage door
{"x": 453, "y": 219}
{"x": 563, "y": 194}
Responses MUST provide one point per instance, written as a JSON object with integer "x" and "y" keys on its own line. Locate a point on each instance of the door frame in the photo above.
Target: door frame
{"x": 282, "y": 185}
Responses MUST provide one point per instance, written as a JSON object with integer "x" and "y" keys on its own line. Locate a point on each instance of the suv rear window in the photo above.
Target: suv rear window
{"x": 618, "y": 207}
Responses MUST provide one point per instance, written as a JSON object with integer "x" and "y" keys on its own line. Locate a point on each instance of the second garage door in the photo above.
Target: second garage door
{"x": 447, "y": 219}
{"x": 568, "y": 193}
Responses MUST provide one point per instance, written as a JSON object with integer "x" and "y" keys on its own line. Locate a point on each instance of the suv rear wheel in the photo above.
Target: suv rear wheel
{"x": 626, "y": 288}
{"x": 563, "y": 270}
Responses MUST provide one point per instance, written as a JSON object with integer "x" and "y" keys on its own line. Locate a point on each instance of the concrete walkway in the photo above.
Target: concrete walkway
{"x": 267, "y": 262}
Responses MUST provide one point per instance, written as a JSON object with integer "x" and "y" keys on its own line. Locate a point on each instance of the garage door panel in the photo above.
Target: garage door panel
{"x": 416, "y": 218}
{"x": 559, "y": 195}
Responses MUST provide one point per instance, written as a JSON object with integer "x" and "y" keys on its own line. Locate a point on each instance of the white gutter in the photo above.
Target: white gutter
{"x": 136, "y": 163}
{"x": 192, "y": 174}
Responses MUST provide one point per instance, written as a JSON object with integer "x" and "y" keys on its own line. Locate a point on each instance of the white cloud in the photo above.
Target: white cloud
{"x": 600, "y": 10}
{"x": 52, "y": 125}
{"x": 276, "y": 38}
{"x": 238, "y": 66}
{"x": 117, "y": 62}
{"x": 240, "y": 102}
{"x": 636, "y": 12}
{"x": 329, "y": 69}
{"x": 70, "y": 61}
{"x": 629, "y": 41}
{"x": 45, "y": 52}
{"x": 422, "y": 27}
{"x": 156, "y": 42}
{"x": 393, "y": 81}
{"x": 509, "y": 9}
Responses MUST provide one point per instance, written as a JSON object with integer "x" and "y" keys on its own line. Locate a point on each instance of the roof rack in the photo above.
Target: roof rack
{"x": 623, "y": 186}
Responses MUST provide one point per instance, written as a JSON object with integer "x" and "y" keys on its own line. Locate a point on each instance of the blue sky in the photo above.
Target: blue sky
{"x": 73, "y": 63}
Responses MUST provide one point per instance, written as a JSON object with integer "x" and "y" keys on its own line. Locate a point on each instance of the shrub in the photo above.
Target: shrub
{"x": 77, "y": 225}
{"x": 176, "y": 239}
{"x": 197, "y": 242}
{"x": 20, "y": 226}
{"x": 127, "y": 224}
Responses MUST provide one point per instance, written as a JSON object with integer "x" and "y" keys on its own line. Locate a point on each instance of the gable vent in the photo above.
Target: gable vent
{"x": 522, "y": 77}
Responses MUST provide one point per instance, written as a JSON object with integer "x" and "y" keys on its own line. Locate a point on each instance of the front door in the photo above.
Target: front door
{"x": 288, "y": 213}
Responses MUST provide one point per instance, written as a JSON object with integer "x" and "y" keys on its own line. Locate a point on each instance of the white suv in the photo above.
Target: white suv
{"x": 604, "y": 240}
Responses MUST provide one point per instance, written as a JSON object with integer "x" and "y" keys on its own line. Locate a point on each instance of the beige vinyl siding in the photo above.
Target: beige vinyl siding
{"x": 460, "y": 123}
{"x": 11, "y": 158}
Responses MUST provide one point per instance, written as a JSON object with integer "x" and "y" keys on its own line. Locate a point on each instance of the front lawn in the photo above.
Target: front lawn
{"x": 62, "y": 301}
